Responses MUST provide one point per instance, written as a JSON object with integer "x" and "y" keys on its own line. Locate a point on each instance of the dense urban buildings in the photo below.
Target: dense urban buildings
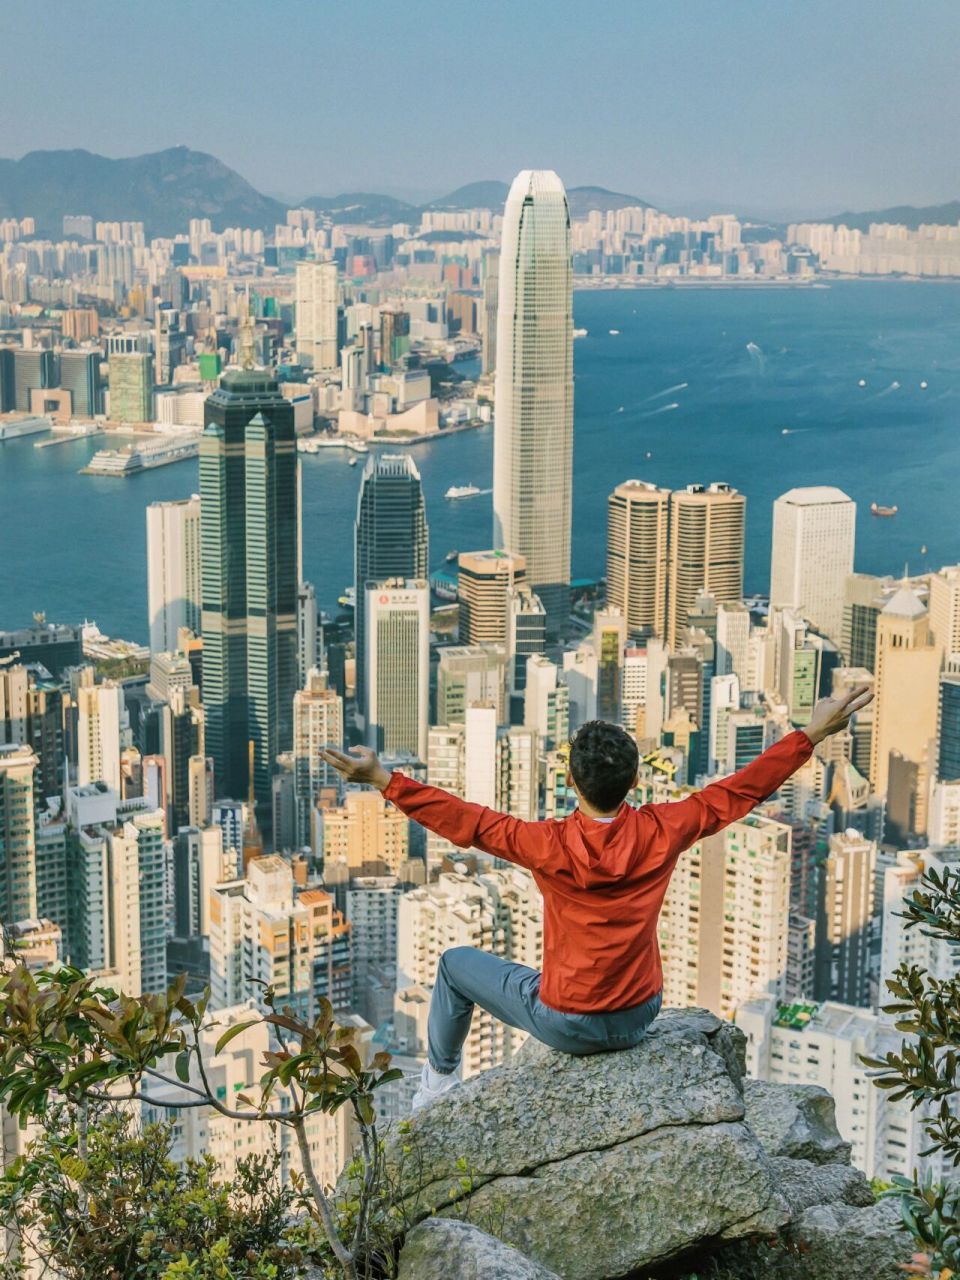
{"x": 165, "y": 808}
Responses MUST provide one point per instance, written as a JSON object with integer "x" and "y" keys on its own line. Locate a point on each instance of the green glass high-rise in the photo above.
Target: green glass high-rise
{"x": 391, "y": 539}
{"x": 249, "y": 539}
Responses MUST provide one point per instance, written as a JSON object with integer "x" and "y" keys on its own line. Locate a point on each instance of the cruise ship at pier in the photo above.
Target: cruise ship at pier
{"x": 133, "y": 458}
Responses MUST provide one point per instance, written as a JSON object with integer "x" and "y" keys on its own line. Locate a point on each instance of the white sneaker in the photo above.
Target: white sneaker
{"x": 433, "y": 1085}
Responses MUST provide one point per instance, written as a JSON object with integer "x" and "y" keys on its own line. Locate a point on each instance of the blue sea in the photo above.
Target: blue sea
{"x": 759, "y": 387}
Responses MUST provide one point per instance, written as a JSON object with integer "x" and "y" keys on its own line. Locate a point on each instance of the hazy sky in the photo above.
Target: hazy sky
{"x": 756, "y": 105}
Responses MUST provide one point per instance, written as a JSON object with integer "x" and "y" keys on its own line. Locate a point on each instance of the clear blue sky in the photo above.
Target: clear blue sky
{"x": 763, "y": 105}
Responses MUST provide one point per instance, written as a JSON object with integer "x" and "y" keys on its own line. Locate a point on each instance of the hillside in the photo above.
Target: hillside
{"x": 910, "y": 215}
{"x": 163, "y": 189}
{"x": 363, "y": 206}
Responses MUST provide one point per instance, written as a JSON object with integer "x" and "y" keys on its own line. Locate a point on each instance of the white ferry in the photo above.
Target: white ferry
{"x": 462, "y": 491}
{"x": 133, "y": 458}
{"x": 580, "y": 333}
{"x": 13, "y": 428}
{"x": 314, "y": 444}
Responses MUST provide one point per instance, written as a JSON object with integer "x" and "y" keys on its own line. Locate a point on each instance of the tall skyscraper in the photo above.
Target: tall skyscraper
{"x": 198, "y": 865}
{"x": 484, "y": 579}
{"x": 845, "y": 920}
{"x": 391, "y": 539}
{"x": 491, "y": 291}
{"x": 317, "y": 723}
{"x": 501, "y": 911}
{"x": 131, "y": 386}
{"x": 33, "y": 371}
{"x": 101, "y": 715}
{"x": 467, "y": 674}
{"x": 948, "y": 722}
{"x": 864, "y": 595}
{"x": 526, "y": 634}
{"x": 609, "y": 638}
{"x": 723, "y": 928}
{"x": 169, "y": 344}
{"x": 317, "y": 314}
{"x": 80, "y": 375}
{"x": 265, "y": 934}
{"x": 638, "y": 524}
{"x": 397, "y": 656}
{"x": 707, "y": 526}
{"x": 173, "y": 571}
{"x": 249, "y": 530}
{"x": 944, "y": 605}
{"x": 365, "y": 832}
{"x": 733, "y": 641}
{"x": 907, "y": 667}
{"x": 533, "y": 416}
{"x": 18, "y": 869}
{"x": 812, "y": 554}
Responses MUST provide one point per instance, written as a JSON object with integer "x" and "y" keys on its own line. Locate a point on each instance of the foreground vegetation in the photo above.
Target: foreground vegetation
{"x": 96, "y": 1194}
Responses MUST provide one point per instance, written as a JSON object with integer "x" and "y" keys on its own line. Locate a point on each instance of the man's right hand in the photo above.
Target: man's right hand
{"x": 361, "y": 765}
{"x": 831, "y": 715}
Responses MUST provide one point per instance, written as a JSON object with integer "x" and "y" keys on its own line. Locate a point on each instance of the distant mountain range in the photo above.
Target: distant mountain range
{"x": 165, "y": 189}
{"x": 910, "y": 215}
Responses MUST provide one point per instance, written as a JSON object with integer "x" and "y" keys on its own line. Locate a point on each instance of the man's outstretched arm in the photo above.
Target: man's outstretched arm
{"x": 469, "y": 826}
{"x": 682, "y": 822}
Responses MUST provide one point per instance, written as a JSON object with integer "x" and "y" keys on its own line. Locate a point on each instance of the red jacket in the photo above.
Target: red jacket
{"x": 603, "y": 883}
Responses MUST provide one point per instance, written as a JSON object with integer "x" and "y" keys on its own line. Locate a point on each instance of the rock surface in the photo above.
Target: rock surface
{"x": 599, "y": 1166}
{"x": 837, "y": 1241}
{"x": 803, "y": 1184}
{"x": 445, "y": 1249}
{"x": 795, "y": 1120}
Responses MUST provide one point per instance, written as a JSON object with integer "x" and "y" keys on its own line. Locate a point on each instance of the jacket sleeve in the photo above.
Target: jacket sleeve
{"x": 681, "y": 823}
{"x": 471, "y": 826}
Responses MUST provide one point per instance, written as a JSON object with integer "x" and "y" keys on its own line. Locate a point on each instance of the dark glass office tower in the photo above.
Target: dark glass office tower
{"x": 392, "y": 538}
{"x": 948, "y": 724}
{"x": 80, "y": 375}
{"x": 249, "y": 535}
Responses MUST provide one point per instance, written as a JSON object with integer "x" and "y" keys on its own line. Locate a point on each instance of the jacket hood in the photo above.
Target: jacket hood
{"x": 600, "y": 852}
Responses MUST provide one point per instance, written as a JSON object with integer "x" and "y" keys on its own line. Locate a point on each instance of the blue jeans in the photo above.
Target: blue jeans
{"x": 511, "y": 992}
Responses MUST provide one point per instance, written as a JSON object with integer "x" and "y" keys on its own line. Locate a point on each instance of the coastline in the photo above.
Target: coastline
{"x": 628, "y": 284}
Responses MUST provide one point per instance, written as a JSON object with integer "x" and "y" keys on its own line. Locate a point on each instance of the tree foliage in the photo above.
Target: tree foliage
{"x": 66, "y": 1038}
{"x": 124, "y": 1210}
{"x": 925, "y": 1072}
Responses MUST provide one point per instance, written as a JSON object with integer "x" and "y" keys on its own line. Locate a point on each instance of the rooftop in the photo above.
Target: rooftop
{"x": 814, "y": 495}
{"x": 795, "y": 1015}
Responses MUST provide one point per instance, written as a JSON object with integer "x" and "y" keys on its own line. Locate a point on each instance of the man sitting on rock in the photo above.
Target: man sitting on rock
{"x": 603, "y": 871}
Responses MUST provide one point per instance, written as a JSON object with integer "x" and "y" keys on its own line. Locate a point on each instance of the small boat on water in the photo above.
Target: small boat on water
{"x": 613, "y": 332}
{"x": 352, "y": 462}
{"x": 579, "y": 333}
{"x": 877, "y": 510}
{"x": 451, "y": 556}
{"x": 462, "y": 491}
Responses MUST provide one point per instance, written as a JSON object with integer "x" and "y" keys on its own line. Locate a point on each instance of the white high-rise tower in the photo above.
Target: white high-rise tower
{"x": 812, "y": 554}
{"x": 533, "y": 426}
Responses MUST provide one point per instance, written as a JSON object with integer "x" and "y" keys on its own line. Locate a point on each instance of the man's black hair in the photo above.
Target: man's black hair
{"x": 603, "y": 761}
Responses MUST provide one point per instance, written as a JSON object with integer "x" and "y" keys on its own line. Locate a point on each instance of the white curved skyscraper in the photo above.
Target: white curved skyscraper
{"x": 533, "y": 422}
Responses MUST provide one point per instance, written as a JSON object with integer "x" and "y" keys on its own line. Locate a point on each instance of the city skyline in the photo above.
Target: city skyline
{"x": 739, "y": 75}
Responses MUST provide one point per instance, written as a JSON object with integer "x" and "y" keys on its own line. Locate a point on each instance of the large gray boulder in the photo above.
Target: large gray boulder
{"x": 599, "y": 1166}
{"x": 837, "y": 1240}
{"x": 446, "y": 1249}
{"x": 804, "y": 1184}
{"x": 795, "y": 1120}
